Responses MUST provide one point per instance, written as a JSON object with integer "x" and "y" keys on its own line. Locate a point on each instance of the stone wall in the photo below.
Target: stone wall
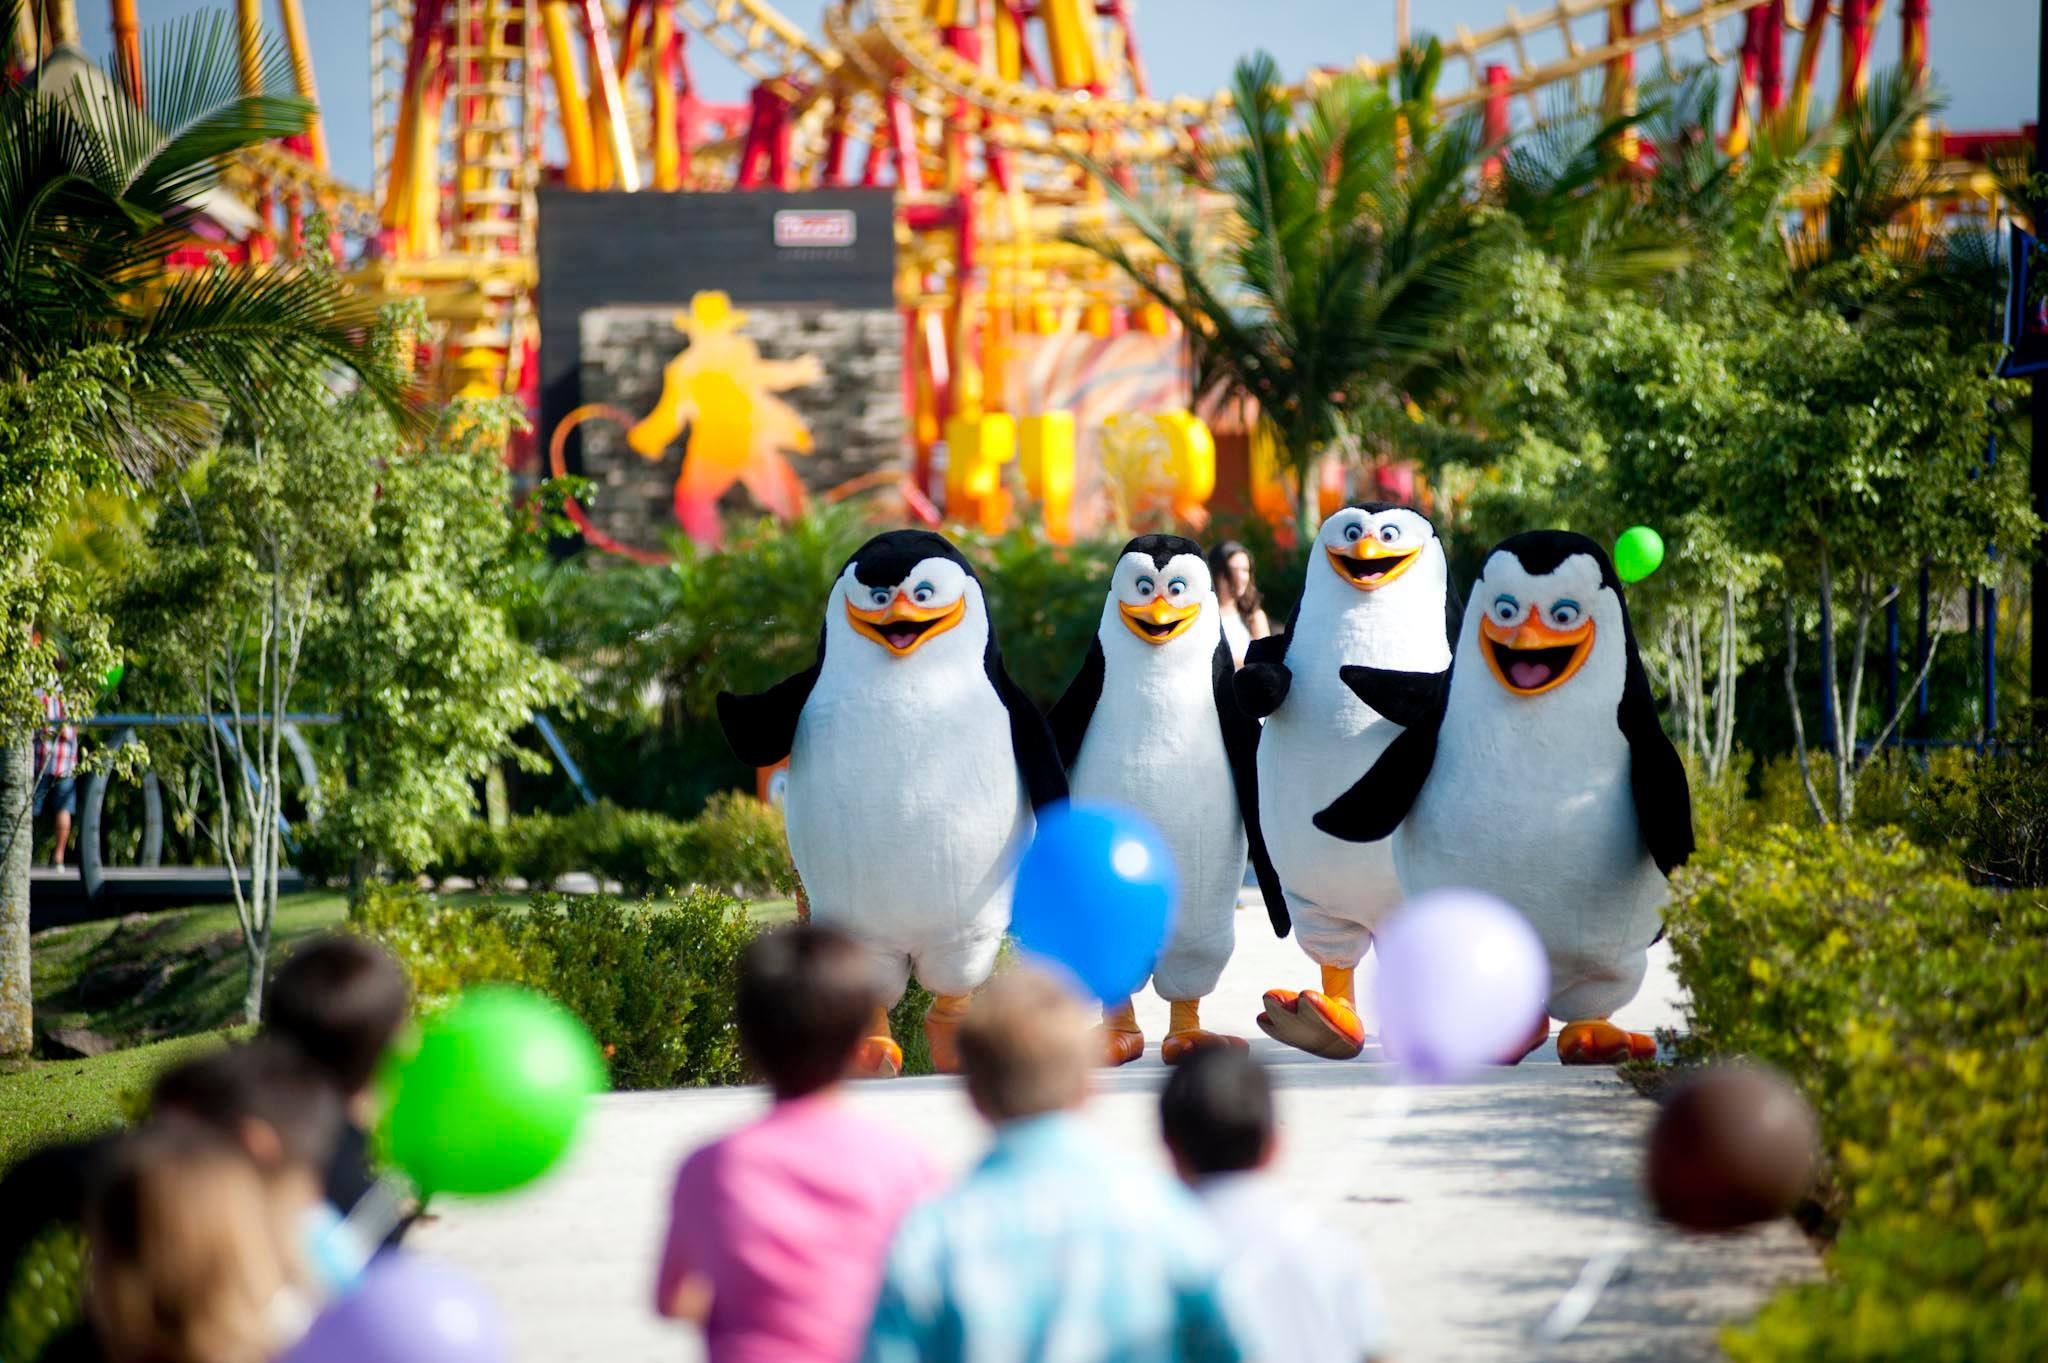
{"x": 855, "y": 412}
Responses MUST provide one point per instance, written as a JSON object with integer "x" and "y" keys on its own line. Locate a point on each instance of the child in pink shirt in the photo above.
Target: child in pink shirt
{"x": 779, "y": 1230}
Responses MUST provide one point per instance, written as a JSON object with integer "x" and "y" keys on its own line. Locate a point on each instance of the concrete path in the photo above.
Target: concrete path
{"x": 1477, "y": 1209}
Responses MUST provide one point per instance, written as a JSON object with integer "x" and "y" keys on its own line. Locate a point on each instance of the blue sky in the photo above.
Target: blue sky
{"x": 1983, "y": 51}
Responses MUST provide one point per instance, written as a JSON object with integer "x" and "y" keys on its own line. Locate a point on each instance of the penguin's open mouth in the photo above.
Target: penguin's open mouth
{"x": 903, "y": 628}
{"x": 1372, "y": 566}
{"x": 1159, "y": 620}
{"x": 1532, "y": 658}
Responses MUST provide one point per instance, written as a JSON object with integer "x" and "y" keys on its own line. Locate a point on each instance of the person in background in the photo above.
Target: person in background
{"x": 776, "y": 1241}
{"x": 340, "y": 1000}
{"x": 186, "y": 1264}
{"x": 1244, "y": 617}
{"x": 1052, "y": 1249}
{"x": 280, "y": 1110}
{"x": 1216, "y": 1113}
{"x": 56, "y": 759}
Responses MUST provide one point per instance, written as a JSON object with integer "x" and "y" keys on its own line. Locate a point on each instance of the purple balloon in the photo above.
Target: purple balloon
{"x": 407, "y": 1309}
{"x": 1462, "y": 981}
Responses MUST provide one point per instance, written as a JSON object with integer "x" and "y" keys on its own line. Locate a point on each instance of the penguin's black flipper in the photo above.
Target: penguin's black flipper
{"x": 1038, "y": 760}
{"x": 1407, "y": 698}
{"x": 1454, "y": 615}
{"x": 1070, "y": 714}
{"x": 1374, "y": 807}
{"x": 1656, "y": 776}
{"x": 1241, "y": 743}
{"x": 1261, "y": 684}
{"x": 760, "y": 729}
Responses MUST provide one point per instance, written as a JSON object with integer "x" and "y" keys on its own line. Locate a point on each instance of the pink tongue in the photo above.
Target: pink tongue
{"x": 1529, "y": 676}
{"x": 901, "y": 638}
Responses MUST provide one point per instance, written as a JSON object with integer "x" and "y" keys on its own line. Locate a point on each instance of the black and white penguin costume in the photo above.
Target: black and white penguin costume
{"x": 1376, "y": 594}
{"x": 1150, "y": 723}
{"x": 1541, "y": 775}
{"x": 915, "y": 763}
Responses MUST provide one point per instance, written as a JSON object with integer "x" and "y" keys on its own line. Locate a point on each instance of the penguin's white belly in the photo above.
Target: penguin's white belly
{"x": 905, "y": 811}
{"x": 1313, "y": 749}
{"x": 1553, "y": 832}
{"x": 1169, "y": 764}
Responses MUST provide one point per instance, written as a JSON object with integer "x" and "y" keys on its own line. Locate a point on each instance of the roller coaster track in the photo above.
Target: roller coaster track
{"x": 1037, "y": 118}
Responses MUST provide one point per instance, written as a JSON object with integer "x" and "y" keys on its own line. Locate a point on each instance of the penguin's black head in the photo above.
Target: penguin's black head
{"x": 905, "y": 588}
{"x": 1371, "y": 544}
{"x": 1160, "y": 584}
{"x": 1543, "y": 598}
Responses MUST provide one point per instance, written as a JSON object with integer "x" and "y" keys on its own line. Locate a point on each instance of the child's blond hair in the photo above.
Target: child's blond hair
{"x": 186, "y": 1261}
{"x": 1026, "y": 1046}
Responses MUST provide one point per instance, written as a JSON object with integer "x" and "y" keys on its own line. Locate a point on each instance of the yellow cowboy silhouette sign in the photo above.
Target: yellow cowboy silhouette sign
{"x": 723, "y": 393}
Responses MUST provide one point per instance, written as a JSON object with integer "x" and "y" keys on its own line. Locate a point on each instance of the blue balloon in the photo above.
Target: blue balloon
{"x": 1096, "y": 893}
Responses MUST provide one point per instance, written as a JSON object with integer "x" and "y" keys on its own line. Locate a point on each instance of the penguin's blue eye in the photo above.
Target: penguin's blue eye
{"x": 1389, "y": 533}
{"x": 1506, "y": 609}
{"x": 1353, "y": 533}
{"x": 1565, "y": 614}
{"x": 1145, "y": 586}
{"x": 923, "y": 593}
{"x": 879, "y": 596}
{"x": 1176, "y": 588}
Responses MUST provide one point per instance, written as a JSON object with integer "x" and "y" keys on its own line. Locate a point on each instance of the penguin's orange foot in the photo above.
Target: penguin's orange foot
{"x": 1180, "y": 1045}
{"x": 876, "y": 1057}
{"x": 1600, "y": 1042}
{"x": 1121, "y": 1047}
{"x": 1313, "y": 1022}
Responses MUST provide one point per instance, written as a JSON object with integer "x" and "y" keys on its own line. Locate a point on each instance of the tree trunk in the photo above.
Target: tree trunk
{"x": 256, "y": 952}
{"x": 17, "y": 849}
{"x": 1799, "y": 723}
{"x": 1309, "y": 513}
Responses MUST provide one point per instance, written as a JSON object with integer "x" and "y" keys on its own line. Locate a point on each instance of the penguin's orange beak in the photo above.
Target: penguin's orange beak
{"x": 1160, "y": 620}
{"x": 1533, "y": 658}
{"x": 1371, "y": 565}
{"x": 904, "y": 628}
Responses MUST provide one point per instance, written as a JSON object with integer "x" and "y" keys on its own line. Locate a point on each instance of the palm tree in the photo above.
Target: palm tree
{"x": 94, "y": 193}
{"x": 1347, "y": 252}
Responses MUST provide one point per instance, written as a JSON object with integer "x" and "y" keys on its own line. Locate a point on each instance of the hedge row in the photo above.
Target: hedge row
{"x": 735, "y": 844}
{"x": 1908, "y": 1004}
{"x": 653, "y": 981}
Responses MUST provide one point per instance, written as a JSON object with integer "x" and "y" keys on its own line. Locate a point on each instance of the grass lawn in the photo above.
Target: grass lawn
{"x": 194, "y": 972}
{"x": 42, "y": 1101}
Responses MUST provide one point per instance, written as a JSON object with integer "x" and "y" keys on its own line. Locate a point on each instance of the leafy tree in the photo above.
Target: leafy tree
{"x": 420, "y": 657}
{"x": 94, "y": 193}
{"x": 44, "y": 462}
{"x": 331, "y": 563}
{"x": 1345, "y": 258}
{"x": 1862, "y": 459}
{"x": 240, "y": 579}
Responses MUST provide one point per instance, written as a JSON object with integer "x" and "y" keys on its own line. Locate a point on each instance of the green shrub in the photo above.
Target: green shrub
{"x": 654, "y": 982}
{"x": 1906, "y": 1003}
{"x": 1991, "y": 813}
{"x": 47, "y": 1295}
{"x": 735, "y": 844}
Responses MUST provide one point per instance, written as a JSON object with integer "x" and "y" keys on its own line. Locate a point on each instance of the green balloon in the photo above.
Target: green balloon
{"x": 115, "y": 673}
{"x": 1638, "y": 553}
{"x": 493, "y": 1094}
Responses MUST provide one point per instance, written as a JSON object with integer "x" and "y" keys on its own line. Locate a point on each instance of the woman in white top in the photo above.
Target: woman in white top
{"x": 1244, "y": 618}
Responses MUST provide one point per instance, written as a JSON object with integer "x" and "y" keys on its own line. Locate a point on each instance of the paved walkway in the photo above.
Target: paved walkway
{"x": 1477, "y": 1208}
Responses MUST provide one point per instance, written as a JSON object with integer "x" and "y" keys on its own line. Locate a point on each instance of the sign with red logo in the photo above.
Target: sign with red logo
{"x": 814, "y": 228}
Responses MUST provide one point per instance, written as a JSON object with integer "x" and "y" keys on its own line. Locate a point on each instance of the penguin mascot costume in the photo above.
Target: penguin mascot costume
{"x": 1377, "y": 594}
{"x": 915, "y": 765}
{"x": 1150, "y": 723}
{"x": 1540, "y": 774}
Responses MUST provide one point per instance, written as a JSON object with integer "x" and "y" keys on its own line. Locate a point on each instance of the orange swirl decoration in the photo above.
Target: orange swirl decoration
{"x": 575, "y": 510}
